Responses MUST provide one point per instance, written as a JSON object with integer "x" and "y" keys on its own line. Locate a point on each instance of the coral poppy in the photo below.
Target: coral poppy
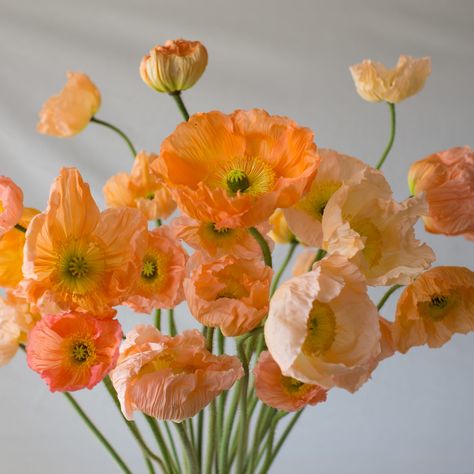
{"x": 11, "y": 204}
{"x": 175, "y": 66}
{"x": 140, "y": 189}
{"x": 447, "y": 180}
{"x": 335, "y": 169}
{"x": 229, "y": 292}
{"x": 170, "y": 378}
{"x": 376, "y": 234}
{"x": 205, "y": 236}
{"x": 437, "y": 305}
{"x": 322, "y": 326}
{"x": 77, "y": 256}
{"x": 160, "y": 280}
{"x": 70, "y": 111}
{"x": 375, "y": 83}
{"x": 72, "y": 350}
{"x": 282, "y": 392}
{"x": 11, "y": 251}
{"x": 235, "y": 170}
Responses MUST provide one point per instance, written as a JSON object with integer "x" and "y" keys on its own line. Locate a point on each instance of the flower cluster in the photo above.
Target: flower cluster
{"x": 242, "y": 182}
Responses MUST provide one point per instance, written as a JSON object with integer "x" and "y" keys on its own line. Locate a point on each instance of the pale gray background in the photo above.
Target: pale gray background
{"x": 291, "y": 58}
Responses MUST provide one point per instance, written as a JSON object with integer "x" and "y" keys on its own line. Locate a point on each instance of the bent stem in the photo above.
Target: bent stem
{"x": 267, "y": 255}
{"x": 321, "y": 253}
{"x": 118, "y": 131}
{"x": 387, "y": 295}
{"x": 20, "y": 228}
{"x": 179, "y": 102}
{"x": 285, "y": 263}
{"x": 391, "y": 138}
{"x": 97, "y": 433}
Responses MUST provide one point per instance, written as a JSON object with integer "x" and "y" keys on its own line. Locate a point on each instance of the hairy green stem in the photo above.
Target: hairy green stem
{"x": 172, "y": 325}
{"x": 243, "y": 423}
{"x": 393, "y": 124}
{"x": 118, "y": 131}
{"x": 190, "y": 452}
{"x": 387, "y": 295}
{"x": 179, "y": 102}
{"x": 285, "y": 263}
{"x": 97, "y": 433}
{"x": 267, "y": 255}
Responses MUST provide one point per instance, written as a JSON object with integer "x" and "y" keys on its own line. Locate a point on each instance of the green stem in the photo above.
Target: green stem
{"x": 162, "y": 444}
{"x": 173, "y": 446}
{"x": 179, "y": 102}
{"x": 229, "y": 423}
{"x": 158, "y": 319}
{"x": 158, "y": 222}
{"x": 393, "y": 124}
{"x": 319, "y": 255}
{"x": 97, "y": 433}
{"x": 209, "y": 339}
{"x": 118, "y": 131}
{"x": 20, "y": 228}
{"x": 243, "y": 423}
{"x": 267, "y": 256}
{"x": 147, "y": 452}
{"x": 220, "y": 342}
{"x": 171, "y": 322}
{"x": 285, "y": 434}
{"x": 200, "y": 434}
{"x": 191, "y": 454}
{"x": 387, "y": 295}
{"x": 285, "y": 263}
{"x": 269, "y": 447}
{"x": 149, "y": 465}
{"x": 212, "y": 438}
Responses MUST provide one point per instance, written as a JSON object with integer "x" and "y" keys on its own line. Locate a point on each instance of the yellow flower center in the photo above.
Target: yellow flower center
{"x": 80, "y": 267}
{"x": 154, "y": 269}
{"x": 1, "y": 206}
{"x": 372, "y": 251}
{"x": 314, "y": 203}
{"x": 233, "y": 289}
{"x": 294, "y": 387}
{"x": 437, "y": 308}
{"x": 150, "y": 196}
{"x": 82, "y": 351}
{"x": 321, "y": 330}
{"x": 244, "y": 175}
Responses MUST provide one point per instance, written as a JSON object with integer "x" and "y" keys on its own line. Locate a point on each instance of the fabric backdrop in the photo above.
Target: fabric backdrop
{"x": 291, "y": 58}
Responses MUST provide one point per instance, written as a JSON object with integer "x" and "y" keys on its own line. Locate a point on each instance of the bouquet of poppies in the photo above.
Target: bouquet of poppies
{"x": 225, "y": 398}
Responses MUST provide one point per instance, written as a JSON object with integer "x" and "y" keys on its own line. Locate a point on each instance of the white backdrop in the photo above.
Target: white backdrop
{"x": 290, "y": 58}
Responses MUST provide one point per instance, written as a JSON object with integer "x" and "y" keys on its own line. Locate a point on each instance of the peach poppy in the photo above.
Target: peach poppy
{"x": 140, "y": 189}
{"x": 229, "y": 293}
{"x": 353, "y": 380}
{"x": 11, "y": 204}
{"x": 375, "y": 83}
{"x": 170, "y": 378}
{"x": 335, "y": 169}
{"x": 235, "y": 170}
{"x": 303, "y": 262}
{"x": 282, "y": 392}
{"x": 160, "y": 280}
{"x": 175, "y": 66}
{"x": 77, "y": 256}
{"x": 322, "y": 326}
{"x": 437, "y": 305}
{"x": 11, "y": 251}
{"x": 376, "y": 234}
{"x": 71, "y": 351}
{"x": 69, "y": 112}
{"x": 205, "y": 236}
{"x": 16, "y": 321}
{"x": 280, "y": 233}
{"x": 447, "y": 180}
